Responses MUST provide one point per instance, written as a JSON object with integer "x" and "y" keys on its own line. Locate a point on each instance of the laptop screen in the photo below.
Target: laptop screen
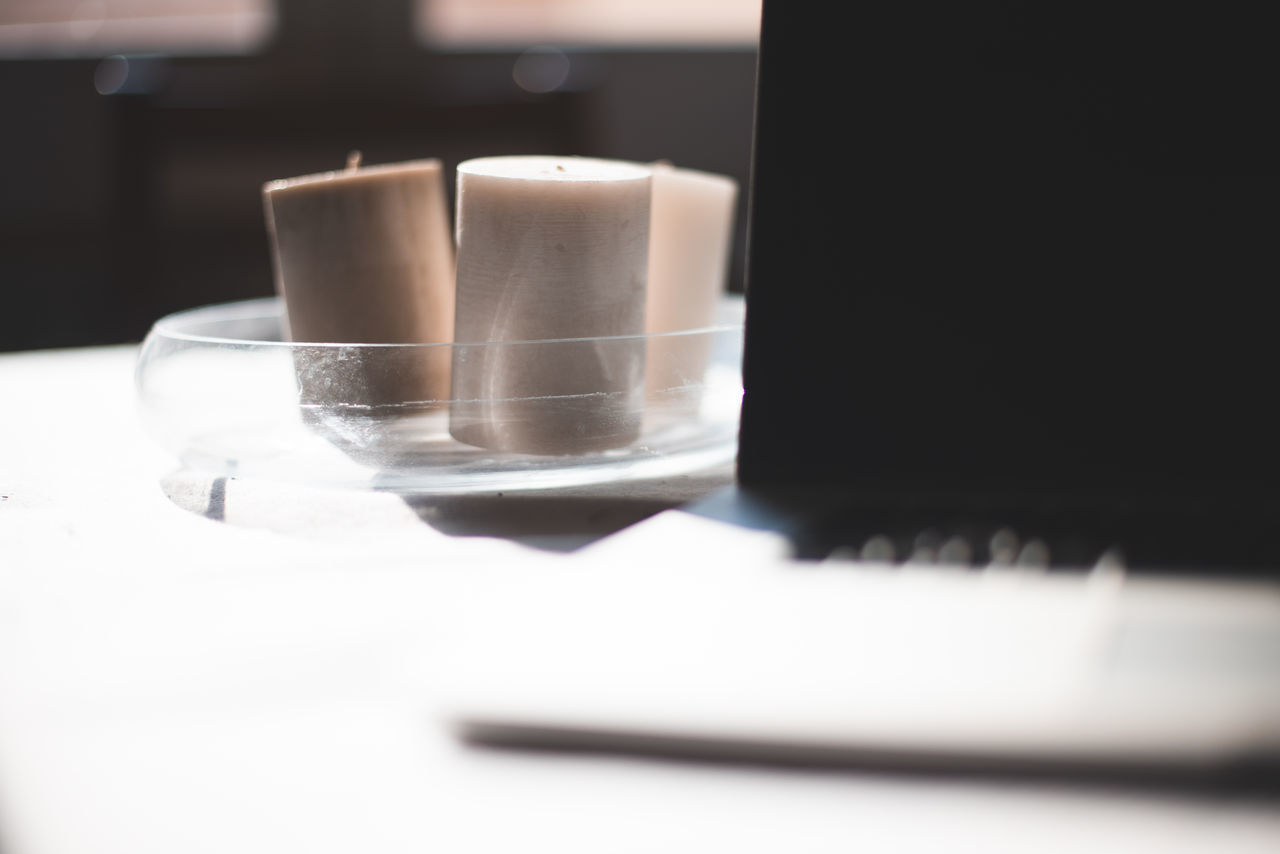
{"x": 1014, "y": 248}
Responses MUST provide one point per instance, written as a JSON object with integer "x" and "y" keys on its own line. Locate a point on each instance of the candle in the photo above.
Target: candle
{"x": 550, "y": 248}
{"x": 690, "y": 235}
{"x": 365, "y": 256}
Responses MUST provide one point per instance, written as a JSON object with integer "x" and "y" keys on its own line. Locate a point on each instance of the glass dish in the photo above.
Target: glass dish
{"x": 220, "y": 389}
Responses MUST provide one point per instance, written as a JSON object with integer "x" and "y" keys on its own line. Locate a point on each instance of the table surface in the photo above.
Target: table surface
{"x": 193, "y": 664}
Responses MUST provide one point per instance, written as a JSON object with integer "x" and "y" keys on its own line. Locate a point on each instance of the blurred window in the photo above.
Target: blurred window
{"x": 505, "y": 23}
{"x": 36, "y": 28}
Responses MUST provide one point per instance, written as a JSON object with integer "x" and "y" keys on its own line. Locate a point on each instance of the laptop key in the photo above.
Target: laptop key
{"x": 879, "y": 549}
{"x": 1003, "y": 547}
{"x": 1034, "y": 554}
{"x": 956, "y": 551}
{"x": 925, "y": 545}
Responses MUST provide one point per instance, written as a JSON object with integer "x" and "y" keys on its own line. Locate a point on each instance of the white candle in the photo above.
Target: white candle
{"x": 365, "y": 256}
{"x": 550, "y": 248}
{"x": 690, "y": 236}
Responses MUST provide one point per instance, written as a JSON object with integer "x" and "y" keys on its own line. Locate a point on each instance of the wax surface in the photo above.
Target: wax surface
{"x": 550, "y": 248}
{"x": 365, "y": 255}
{"x": 690, "y": 235}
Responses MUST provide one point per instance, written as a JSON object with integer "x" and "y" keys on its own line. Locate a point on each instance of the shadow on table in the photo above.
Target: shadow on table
{"x": 563, "y": 520}
{"x": 1256, "y": 780}
{"x": 540, "y": 520}
{"x": 553, "y": 520}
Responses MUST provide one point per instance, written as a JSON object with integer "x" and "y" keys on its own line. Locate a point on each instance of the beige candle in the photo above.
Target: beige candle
{"x": 365, "y": 256}
{"x": 690, "y": 235}
{"x": 550, "y": 248}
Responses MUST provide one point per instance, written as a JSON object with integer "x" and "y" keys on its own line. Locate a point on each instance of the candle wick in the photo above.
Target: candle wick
{"x": 353, "y": 161}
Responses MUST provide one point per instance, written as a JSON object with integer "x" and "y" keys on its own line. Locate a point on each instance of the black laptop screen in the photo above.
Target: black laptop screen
{"x": 1014, "y": 246}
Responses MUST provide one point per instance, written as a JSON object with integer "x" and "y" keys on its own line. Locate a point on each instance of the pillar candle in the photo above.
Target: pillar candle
{"x": 690, "y": 235}
{"x": 365, "y": 255}
{"x": 550, "y": 248}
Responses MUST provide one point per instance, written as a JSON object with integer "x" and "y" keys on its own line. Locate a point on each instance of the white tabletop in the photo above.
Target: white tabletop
{"x": 191, "y": 666}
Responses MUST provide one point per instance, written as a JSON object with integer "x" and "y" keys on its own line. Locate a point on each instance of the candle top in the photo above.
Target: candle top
{"x": 354, "y": 171}
{"x": 664, "y": 170}
{"x": 537, "y": 167}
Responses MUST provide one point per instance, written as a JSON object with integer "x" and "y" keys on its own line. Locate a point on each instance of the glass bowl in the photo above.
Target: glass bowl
{"x": 220, "y": 389}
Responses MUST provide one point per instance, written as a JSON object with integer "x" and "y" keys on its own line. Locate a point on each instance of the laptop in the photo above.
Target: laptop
{"x": 1008, "y": 485}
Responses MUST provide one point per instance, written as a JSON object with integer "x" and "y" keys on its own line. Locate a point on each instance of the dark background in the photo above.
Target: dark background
{"x": 117, "y": 209}
{"x": 1017, "y": 247}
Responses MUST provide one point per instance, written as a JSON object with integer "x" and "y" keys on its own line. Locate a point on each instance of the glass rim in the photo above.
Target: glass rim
{"x": 267, "y": 308}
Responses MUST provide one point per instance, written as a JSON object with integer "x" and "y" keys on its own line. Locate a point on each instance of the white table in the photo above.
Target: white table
{"x": 259, "y": 681}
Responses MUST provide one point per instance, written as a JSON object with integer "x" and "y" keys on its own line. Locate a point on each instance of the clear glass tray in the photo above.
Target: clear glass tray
{"x": 220, "y": 389}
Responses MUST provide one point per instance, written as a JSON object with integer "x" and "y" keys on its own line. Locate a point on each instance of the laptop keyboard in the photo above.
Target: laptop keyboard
{"x": 1048, "y": 544}
{"x": 1003, "y": 547}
